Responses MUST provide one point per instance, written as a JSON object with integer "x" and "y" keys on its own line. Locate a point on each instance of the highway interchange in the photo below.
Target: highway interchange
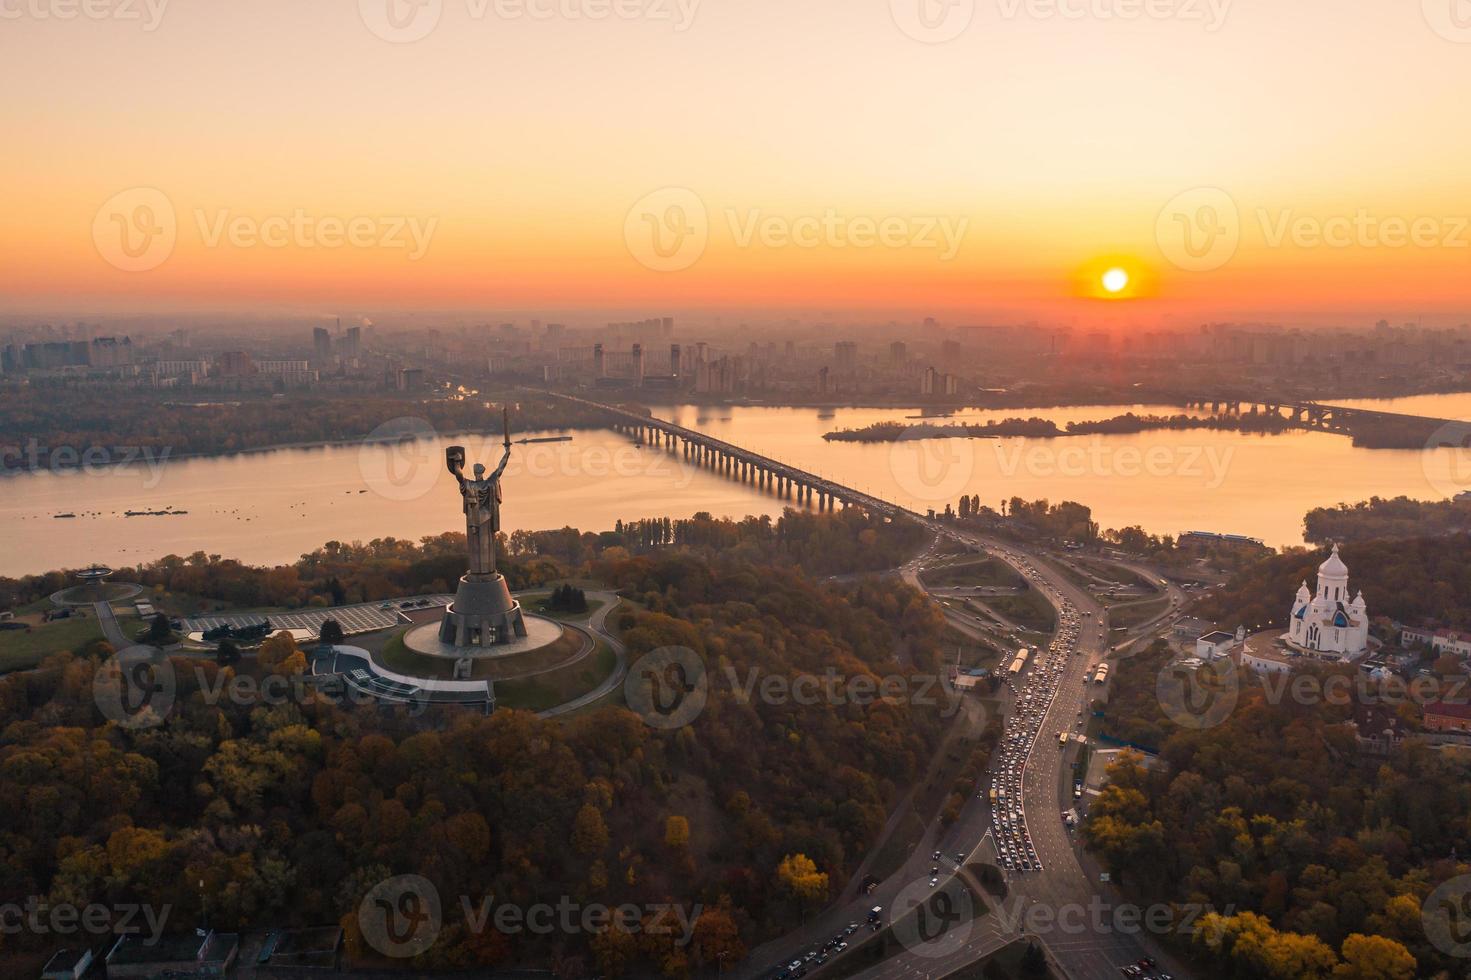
{"x": 1080, "y": 922}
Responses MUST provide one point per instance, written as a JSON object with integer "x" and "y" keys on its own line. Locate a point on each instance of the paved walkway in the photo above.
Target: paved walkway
{"x": 598, "y": 623}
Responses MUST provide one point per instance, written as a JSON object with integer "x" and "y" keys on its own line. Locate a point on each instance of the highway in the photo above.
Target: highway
{"x": 1068, "y": 910}
{"x": 1061, "y": 884}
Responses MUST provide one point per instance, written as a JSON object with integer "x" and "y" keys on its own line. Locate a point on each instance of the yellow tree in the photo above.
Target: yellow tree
{"x": 589, "y": 832}
{"x": 676, "y": 832}
{"x": 717, "y": 939}
{"x": 1374, "y": 958}
{"x": 275, "y": 650}
{"x": 800, "y": 876}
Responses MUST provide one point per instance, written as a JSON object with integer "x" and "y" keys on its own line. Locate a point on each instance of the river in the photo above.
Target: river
{"x": 272, "y": 507}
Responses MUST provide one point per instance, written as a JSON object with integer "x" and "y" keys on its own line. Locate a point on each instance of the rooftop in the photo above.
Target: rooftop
{"x": 1449, "y": 709}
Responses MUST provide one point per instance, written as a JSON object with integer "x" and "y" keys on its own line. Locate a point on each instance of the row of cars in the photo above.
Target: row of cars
{"x": 1014, "y": 847}
{"x": 1145, "y": 969}
{"x": 814, "y": 958}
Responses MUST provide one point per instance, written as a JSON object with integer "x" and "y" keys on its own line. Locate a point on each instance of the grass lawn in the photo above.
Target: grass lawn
{"x": 1133, "y": 615}
{"x": 1030, "y": 610}
{"x": 549, "y": 690}
{"x": 536, "y": 602}
{"x": 1007, "y": 964}
{"x": 20, "y": 649}
{"x": 986, "y": 571}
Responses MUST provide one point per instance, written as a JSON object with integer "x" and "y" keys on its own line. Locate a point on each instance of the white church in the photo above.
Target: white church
{"x": 1327, "y": 623}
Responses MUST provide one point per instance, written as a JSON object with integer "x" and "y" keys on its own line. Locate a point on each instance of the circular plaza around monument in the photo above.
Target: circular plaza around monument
{"x": 482, "y": 638}
{"x": 540, "y": 632}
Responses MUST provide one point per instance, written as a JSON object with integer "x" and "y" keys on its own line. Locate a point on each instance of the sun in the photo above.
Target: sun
{"x": 1115, "y": 280}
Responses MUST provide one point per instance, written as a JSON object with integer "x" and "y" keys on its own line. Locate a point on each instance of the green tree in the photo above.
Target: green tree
{"x": 331, "y": 633}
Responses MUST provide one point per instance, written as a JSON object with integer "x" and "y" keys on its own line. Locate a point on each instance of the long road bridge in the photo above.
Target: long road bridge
{"x": 1314, "y": 415}
{"x": 784, "y": 480}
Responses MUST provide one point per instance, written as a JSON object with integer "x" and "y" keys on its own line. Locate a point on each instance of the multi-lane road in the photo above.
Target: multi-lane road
{"x": 1085, "y": 931}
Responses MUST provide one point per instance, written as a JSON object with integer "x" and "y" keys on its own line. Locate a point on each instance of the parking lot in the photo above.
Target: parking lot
{"x": 366, "y": 617}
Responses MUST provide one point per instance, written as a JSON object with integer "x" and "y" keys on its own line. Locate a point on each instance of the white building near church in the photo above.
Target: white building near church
{"x": 1326, "y": 622}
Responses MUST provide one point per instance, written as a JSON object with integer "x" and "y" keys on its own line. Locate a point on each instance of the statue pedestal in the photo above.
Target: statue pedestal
{"x": 483, "y": 613}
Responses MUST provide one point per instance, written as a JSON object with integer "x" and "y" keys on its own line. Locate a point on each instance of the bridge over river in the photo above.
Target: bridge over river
{"x": 743, "y": 465}
{"x": 1333, "y": 418}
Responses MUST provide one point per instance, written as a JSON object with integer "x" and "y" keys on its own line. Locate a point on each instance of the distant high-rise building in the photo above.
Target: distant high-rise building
{"x": 235, "y": 364}
{"x": 898, "y": 352}
{"x": 321, "y": 343}
{"x": 845, "y": 353}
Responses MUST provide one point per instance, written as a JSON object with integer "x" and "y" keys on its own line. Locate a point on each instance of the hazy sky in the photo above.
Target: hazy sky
{"x": 871, "y": 155}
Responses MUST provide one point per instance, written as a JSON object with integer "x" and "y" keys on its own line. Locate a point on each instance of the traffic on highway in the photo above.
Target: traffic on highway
{"x": 1034, "y": 696}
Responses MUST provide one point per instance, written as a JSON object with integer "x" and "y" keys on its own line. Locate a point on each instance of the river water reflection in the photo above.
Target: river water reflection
{"x": 274, "y": 506}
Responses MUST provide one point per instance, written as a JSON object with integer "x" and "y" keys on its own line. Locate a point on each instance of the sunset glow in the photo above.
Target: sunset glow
{"x": 530, "y": 187}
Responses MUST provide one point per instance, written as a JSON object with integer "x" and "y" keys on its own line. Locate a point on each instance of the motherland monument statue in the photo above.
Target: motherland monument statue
{"x": 483, "y": 612}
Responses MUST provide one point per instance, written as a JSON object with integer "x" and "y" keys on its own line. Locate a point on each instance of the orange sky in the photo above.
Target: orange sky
{"x": 537, "y": 149}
